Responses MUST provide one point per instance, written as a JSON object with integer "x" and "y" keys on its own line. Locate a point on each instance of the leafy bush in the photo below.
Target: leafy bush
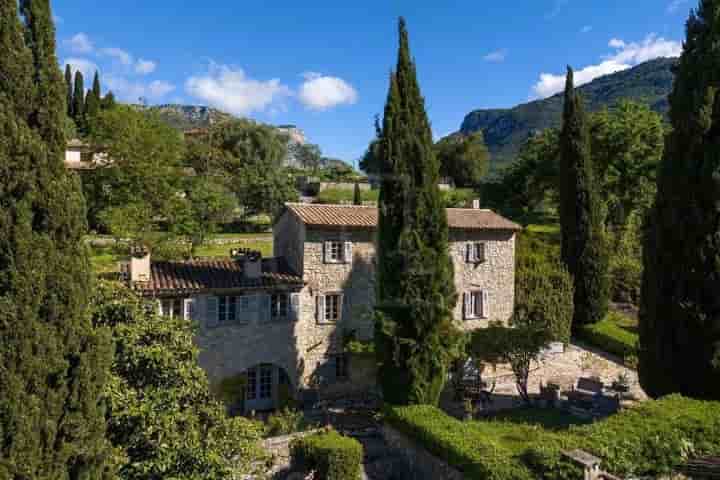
{"x": 648, "y": 440}
{"x": 625, "y": 279}
{"x": 331, "y": 455}
{"x": 611, "y": 335}
{"x": 162, "y": 420}
{"x": 285, "y": 422}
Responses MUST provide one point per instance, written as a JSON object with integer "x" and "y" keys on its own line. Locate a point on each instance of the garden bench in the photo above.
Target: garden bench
{"x": 585, "y": 392}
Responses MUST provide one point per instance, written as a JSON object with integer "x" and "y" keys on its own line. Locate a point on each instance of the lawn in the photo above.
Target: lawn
{"x": 339, "y": 195}
{"x": 106, "y": 259}
{"x": 616, "y": 334}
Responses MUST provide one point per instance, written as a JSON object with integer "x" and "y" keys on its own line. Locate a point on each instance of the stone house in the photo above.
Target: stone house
{"x": 282, "y": 322}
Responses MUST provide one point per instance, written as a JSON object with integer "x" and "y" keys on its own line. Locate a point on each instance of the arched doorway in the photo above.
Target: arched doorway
{"x": 268, "y": 385}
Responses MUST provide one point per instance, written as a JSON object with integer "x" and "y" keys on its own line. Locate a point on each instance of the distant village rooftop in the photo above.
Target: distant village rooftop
{"x": 356, "y": 216}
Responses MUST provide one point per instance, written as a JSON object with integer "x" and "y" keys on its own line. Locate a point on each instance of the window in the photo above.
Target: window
{"x": 172, "y": 307}
{"x": 251, "y": 383}
{"x": 279, "y": 306}
{"x": 341, "y": 367}
{"x": 337, "y": 251}
{"x": 476, "y": 305}
{"x": 475, "y": 252}
{"x": 333, "y": 305}
{"x": 227, "y": 309}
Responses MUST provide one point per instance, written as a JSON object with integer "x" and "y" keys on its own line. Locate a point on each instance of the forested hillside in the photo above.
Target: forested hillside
{"x": 505, "y": 130}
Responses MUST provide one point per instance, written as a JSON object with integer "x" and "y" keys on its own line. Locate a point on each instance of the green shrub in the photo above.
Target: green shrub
{"x": 331, "y": 455}
{"x": 285, "y": 422}
{"x": 464, "y": 445}
{"x": 625, "y": 279}
{"x": 611, "y": 335}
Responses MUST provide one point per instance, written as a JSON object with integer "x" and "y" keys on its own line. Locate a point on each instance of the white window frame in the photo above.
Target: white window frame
{"x": 226, "y": 314}
{"x": 337, "y": 251}
{"x": 279, "y": 300}
{"x": 476, "y": 252}
{"x": 172, "y": 307}
{"x": 475, "y": 300}
{"x": 330, "y": 307}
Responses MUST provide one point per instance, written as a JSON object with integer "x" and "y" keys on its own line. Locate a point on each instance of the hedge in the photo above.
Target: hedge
{"x": 609, "y": 336}
{"x": 331, "y": 455}
{"x": 648, "y": 440}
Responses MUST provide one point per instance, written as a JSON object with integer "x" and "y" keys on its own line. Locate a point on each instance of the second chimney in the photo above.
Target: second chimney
{"x": 251, "y": 261}
{"x": 139, "y": 264}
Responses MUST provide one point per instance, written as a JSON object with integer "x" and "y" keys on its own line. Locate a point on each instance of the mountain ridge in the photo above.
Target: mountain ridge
{"x": 506, "y": 129}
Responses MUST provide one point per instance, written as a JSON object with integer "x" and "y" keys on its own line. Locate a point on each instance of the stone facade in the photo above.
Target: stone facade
{"x": 305, "y": 349}
{"x": 318, "y": 341}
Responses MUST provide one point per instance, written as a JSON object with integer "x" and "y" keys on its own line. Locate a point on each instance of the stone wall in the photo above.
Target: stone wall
{"x": 421, "y": 464}
{"x": 288, "y": 241}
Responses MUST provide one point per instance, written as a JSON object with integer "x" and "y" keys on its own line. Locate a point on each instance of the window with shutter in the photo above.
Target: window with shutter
{"x": 265, "y": 308}
{"x": 320, "y": 308}
{"x": 335, "y": 251}
{"x": 475, "y": 305}
{"x": 189, "y": 308}
{"x": 475, "y": 252}
{"x": 211, "y": 313}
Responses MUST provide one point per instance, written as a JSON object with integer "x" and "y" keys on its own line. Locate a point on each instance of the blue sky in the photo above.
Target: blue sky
{"x": 324, "y": 65}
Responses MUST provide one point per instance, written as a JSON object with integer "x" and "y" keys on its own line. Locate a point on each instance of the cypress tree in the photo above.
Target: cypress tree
{"x": 680, "y": 302}
{"x": 69, "y": 89}
{"x": 357, "y": 195}
{"x": 79, "y": 99}
{"x": 416, "y": 339}
{"x": 583, "y": 250}
{"x": 108, "y": 101}
{"x": 93, "y": 99}
{"x": 52, "y": 363}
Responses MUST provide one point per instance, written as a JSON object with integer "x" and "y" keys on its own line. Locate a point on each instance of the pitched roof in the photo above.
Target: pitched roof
{"x": 356, "y": 216}
{"x": 214, "y": 274}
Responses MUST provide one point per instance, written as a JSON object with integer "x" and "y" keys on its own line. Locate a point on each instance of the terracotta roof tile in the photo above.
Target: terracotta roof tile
{"x": 355, "y": 216}
{"x": 214, "y": 274}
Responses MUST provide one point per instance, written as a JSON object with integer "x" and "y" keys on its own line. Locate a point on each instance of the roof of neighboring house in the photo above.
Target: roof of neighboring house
{"x": 356, "y": 216}
{"x": 198, "y": 276}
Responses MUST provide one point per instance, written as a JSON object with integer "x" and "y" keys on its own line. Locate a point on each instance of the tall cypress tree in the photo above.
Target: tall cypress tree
{"x": 357, "y": 195}
{"x": 583, "y": 250}
{"x": 79, "y": 98}
{"x": 93, "y": 100}
{"x": 680, "y": 310}
{"x": 108, "y": 101}
{"x": 52, "y": 363}
{"x": 69, "y": 90}
{"x": 415, "y": 336}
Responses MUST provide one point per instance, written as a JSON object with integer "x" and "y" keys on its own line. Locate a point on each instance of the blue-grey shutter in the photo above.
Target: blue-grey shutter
{"x": 211, "y": 312}
{"x": 327, "y": 249}
{"x": 469, "y": 253}
{"x": 294, "y": 307}
{"x": 467, "y": 306}
{"x": 265, "y": 305}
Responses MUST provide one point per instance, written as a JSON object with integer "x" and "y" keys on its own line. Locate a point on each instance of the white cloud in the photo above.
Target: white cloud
{"x": 159, "y": 88}
{"x": 79, "y": 43}
{"x": 626, "y": 56}
{"x": 118, "y": 54}
{"x": 496, "y": 56}
{"x": 321, "y": 92}
{"x": 230, "y": 89}
{"x": 131, "y": 91}
{"x": 674, "y": 6}
{"x": 586, "y": 29}
{"x": 85, "y": 66}
{"x": 145, "y": 67}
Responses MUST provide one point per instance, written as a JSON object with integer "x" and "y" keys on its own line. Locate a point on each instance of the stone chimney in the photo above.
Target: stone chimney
{"x": 251, "y": 261}
{"x": 139, "y": 264}
{"x": 476, "y": 204}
